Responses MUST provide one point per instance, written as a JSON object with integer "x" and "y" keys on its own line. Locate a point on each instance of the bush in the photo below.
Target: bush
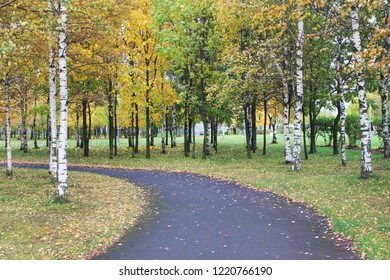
{"x": 324, "y": 128}
{"x": 378, "y": 128}
{"x": 352, "y": 126}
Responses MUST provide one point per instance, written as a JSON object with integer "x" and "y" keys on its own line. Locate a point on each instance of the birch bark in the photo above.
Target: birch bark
{"x": 385, "y": 116}
{"x": 340, "y": 90}
{"x": 8, "y": 128}
{"x": 286, "y": 110}
{"x": 298, "y": 99}
{"x": 53, "y": 169}
{"x": 366, "y": 162}
{"x": 63, "y": 136}
{"x": 384, "y": 97}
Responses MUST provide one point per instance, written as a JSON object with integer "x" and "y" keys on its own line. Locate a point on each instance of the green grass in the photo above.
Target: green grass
{"x": 357, "y": 208}
{"x": 97, "y": 213}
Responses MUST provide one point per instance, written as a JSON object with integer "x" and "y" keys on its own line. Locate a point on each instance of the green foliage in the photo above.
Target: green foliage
{"x": 324, "y": 128}
{"x": 377, "y": 122}
{"x": 352, "y": 127}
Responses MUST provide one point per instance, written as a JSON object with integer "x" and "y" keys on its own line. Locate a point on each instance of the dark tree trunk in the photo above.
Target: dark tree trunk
{"x": 336, "y": 129}
{"x": 85, "y": 129}
{"x": 166, "y": 127}
{"x": 110, "y": 120}
{"x": 136, "y": 130}
{"x": 215, "y": 134}
{"x": 247, "y": 133}
{"x": 265, "y": 127}
{"x": 77, "y": 129}
{"x": 304, "y": 130}
{"x": 115, "y": 124}
{"x": 193, "y": 135}
{"x": 152, "y": 133}
{"x": 186, "y": 131}
{"x": 253, "y": 122}
{"x": 312, "y": 116}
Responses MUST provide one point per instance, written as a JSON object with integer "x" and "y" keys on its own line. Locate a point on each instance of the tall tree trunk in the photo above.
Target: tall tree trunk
{"x": 298, "y": 99}
{"x": 366, "y": 162}
{"x": 247, "y": 133}
{"x": 190, "y": 130}
{"x": 304, "y": 131}
{"x": 215, "y": 134}
{"x": 186, "y": 129}
{"x": 343, "y": 131}
{"x": 62, "y": 144}
{"x": 147, "y": 116}
{"x": 34, "y": 126}
{"x": 312, "y": 116}
{"x": 132, "y": 135}
{"x": 384, "y": 94}
{"x": 340, "y": 93}
{"x": 85, "y": 128}
{"x": 253, "y": 123}
{"x": 265, "y": 101}
{"x": 385, "y": 116}
{"x": 174, "y": 128}
{"x": 52, "y": 140}
{"x": 166, "y": 126}
{"x": 110, "y": 119}
{"x": 286, "y": 107}
{"x": 193, "y": 135}
{"x": 336, "y": 129}
{"x": 77, "y": 129}
{"x": 23, "y": 125}
{"x": 163, "y": 135}
{"x": 9, "y": 169}
{"x": 115, "y": 124}
{"x": 136, "y": 129}
{"x": 206, "y": 136}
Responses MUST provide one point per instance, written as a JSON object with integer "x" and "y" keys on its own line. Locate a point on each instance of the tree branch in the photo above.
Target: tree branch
{"x": 6, "y": 4}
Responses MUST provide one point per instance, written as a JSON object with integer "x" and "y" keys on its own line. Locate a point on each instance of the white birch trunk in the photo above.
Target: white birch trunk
{"x": 8, "y": 128}
{"x": 366, "y": 162}
{"x": 286, "y": 121}
{"x": 384, "y": 97}
{"x": 385, "y": 117}
{"x": 296, "y": 166}
{"x": 52, "y": 103}
{"x": 286, "y": 110}
{"x": 174, "y": 128}
{"x": 340, "y": 89}
{"x": 63, "y": 136}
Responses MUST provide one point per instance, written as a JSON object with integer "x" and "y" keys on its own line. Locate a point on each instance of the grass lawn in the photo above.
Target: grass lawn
{"x": 33, "y": 227}
{"x": 357, "y": 209}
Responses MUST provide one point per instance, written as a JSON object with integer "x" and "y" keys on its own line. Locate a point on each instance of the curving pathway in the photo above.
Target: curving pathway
{"x": 199, "y": 218}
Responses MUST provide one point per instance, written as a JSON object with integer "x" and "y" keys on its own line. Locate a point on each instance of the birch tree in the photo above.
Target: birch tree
{"x": 366, "y": 162}
{"x": 299, "y": 95}
{"x": 8, "y": 127}
{"x": 52, "y": 93}
{"x": 63, "y": 135}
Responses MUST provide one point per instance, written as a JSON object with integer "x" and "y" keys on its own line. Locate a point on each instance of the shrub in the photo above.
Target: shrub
{"x": 352, "y": 126}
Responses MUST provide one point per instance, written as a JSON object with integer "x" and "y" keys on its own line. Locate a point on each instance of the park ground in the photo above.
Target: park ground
{"x": 357, "y": 209}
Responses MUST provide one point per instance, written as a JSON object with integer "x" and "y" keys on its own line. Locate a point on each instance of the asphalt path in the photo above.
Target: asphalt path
{"x": 194, "y": 217}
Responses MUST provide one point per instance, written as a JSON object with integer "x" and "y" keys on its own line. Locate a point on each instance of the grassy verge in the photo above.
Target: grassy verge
{"x": 357, "y": 208}
{"x": 33, "y": 227}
